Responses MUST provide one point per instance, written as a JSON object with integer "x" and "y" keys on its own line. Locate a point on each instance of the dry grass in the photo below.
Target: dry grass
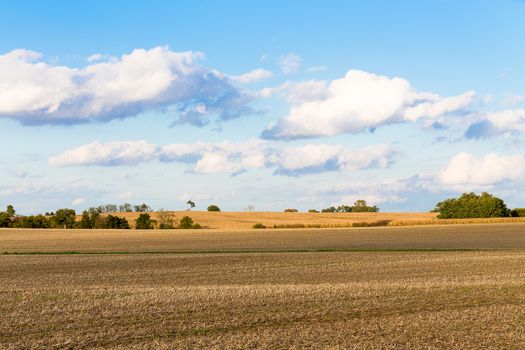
{"x": 381, "y": 300}
{"x": 246, "y": 220}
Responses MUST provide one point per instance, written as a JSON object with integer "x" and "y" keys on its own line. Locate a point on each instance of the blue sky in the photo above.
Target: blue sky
{"x": 273, "y": 104}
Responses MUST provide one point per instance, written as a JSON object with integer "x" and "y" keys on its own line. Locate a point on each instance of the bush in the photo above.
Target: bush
{"x": 116, "y": 222}
{"x": 290, "y": 210}
{"x": 259, "y": 225}
{"x": 518, "y": 212}
{"x": 470, "y": 205}
{"x": 214, "y": 208}
{"x": 313, "y": 211}
{"x": 187, "y": 223}
{"x": 166, "y": 219}
{"x": 144, "y": 222}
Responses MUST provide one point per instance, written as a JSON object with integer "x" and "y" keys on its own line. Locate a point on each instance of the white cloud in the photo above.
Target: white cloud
{"x": 466, "y": 172}
{"x": 36, "y": 92}
{"x": 290, "y": 63}
{"x": 361, "y": 101}
{"x": 503, "y": 122}
{"x": 108, "y": 154}
{"x": 297, "y": 93}
{"x": 314, "y": 158}
{"x": 78, "y": 202}
{"x": 252, "y": 76}
{"x": 232, "y": 157}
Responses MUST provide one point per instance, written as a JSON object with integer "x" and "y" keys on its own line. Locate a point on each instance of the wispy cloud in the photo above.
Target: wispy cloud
{"x": 231, "y": 157}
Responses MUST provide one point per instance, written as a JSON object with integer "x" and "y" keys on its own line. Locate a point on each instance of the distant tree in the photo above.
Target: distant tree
{"x": 313, "y": 211}
{"x": 142, "y": 208}
{"x": 144, "y": 222}
{"x": 290, "y": 210}
{"x": 213, "y": 207}
{"x": 110, "y": 208}
{"x": 85, "y": 221}
{"x": 360, "y": 205}
{"x": 166, "y": 219}
{"x": 10, "y": 211}
{"x": 329, "y": 210}
{"x": 249, "y": 208}
{"x": 187, "y": 223}
{"x": 32, "y": 221}
{"x": 115, "y": 222}
{"x": 470, "y": 205}
{"x": 125, "y": 208}
{"x": 5, "y": 220}
{"x": 191, "y": 204}
{"x": 63, "y": 218}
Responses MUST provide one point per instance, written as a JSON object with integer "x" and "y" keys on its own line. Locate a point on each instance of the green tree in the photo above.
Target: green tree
{"x": 5, "y": 220}
{"x": 32, "y": 221}
{"x": 144, "y": 222}
{"x": 10, "y": 211}
{"x": 191, "y": 204}
{"x": 187, "y": 223}
{"x": 63, "y": 218}
{"x": 470, "y": 205}
{"x": 115, "y": 222}
{"x": 213, "y": 207}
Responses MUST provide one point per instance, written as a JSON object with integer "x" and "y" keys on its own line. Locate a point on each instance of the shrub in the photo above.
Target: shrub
{"x": 518, "y": 212}
{"x": 259, "y": 225}
{"x": 116, "y": 222}
{"x": 313, "y": 211}
{"x": 213, "y": 208}
{"x": 470, "y": 205}
{"x": 144, "y": 222}
{"x": 187, "y": 223}
{"x": 166, "y": 219}
{"x": 290, "y": 210}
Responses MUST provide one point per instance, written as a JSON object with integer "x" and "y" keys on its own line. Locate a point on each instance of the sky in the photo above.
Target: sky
{"x": 270, "y": 104}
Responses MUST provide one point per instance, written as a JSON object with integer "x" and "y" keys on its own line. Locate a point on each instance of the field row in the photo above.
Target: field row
{"x": 485, "y": 236}
{"x": 338, "y": 300}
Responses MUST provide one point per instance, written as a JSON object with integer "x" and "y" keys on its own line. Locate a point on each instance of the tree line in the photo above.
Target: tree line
{"x": 94, "y": 218}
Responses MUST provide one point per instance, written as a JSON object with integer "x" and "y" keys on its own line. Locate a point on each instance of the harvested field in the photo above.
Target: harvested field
{"x": 327, "y": 300}
{"x": 279, "y": 293}
{"x": 485, "y": 236}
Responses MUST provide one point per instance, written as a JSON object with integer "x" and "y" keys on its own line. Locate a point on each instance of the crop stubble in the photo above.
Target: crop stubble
{"x": 336, "y": 299}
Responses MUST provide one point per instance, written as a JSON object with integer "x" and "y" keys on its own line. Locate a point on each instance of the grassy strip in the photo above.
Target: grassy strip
{"x": 263, "y": 251}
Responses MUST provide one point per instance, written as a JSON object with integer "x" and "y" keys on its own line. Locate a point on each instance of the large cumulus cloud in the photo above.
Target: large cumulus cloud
{"x": 36, "y": 92}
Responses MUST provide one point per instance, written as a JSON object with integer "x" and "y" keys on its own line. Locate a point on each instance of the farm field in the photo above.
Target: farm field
{"x": 271, "y": 289}
{"x": 246, "y": 220}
